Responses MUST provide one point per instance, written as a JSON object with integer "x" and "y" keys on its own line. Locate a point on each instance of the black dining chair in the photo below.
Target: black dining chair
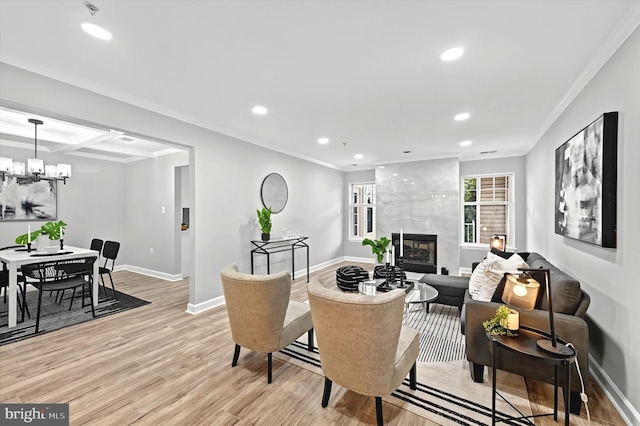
{"x": 22, "y": 285}
{"x": 96, "y": 244}
{"x": 53, "y": 276}
{"x": 109, "y": 252}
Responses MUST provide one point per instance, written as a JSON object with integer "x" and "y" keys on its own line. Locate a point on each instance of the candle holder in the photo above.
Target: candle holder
{"x": 401, "y": 266}
{"x": 28, "y": 247}
{"x": 386, "y": 284}
{"x": 61, "y": 244}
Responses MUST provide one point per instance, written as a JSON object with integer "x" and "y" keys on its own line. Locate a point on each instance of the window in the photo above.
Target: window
{"x": 486, "y": 207}
{"x": 362, "y": 210}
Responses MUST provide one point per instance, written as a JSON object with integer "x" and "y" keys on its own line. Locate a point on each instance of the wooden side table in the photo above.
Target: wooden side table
{"x": 525, "y": 345}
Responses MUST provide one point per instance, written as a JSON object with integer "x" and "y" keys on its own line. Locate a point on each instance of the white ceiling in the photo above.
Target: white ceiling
{"x": 365, "y": 74}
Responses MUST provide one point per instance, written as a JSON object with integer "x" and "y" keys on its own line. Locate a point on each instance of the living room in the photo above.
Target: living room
{"x": 124, "y": 201}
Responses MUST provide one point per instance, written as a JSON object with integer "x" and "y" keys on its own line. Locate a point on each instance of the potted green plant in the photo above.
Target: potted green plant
{"x": 264, "y": 217}
{"x": 498, "y": 324}
{"x": 378, "y": 247}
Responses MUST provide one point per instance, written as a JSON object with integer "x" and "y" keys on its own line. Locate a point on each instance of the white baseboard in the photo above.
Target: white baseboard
{"x": 149, "y": 272}
{"x": 313, "y": 268}
{"x": 205, "y": 306}
{"x": 628, "y": 412}
{"x": 358, "y": 259}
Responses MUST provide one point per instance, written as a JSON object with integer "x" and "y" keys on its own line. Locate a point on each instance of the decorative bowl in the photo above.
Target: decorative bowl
{"x": 52, "y": 249}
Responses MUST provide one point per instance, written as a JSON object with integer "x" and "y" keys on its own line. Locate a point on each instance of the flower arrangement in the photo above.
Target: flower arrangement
{"x": 498, "y": 324}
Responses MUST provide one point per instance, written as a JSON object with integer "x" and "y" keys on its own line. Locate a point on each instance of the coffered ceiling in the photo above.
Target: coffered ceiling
{"x": 367, "y": 75}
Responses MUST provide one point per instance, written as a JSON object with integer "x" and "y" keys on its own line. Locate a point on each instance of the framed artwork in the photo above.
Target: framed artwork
{"x": 586, "y": 180}
{"x": 24, "y": 199}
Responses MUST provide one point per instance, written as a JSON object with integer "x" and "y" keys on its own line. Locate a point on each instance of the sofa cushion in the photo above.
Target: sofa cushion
{"x": 485, "y": 280}
{"x": 565, "y": 290}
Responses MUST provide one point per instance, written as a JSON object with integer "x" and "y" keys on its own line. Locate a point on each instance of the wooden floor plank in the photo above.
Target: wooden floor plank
{"x": 159, "y": 365}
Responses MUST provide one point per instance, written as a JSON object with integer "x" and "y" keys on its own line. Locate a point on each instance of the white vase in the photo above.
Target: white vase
{"x": 42, "y": 241}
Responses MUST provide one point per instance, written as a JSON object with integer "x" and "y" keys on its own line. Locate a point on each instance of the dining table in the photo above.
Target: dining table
{"x": 14, "y": 258}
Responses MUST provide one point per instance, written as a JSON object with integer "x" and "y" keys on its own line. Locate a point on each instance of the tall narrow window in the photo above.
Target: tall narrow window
{"x": 486, "y": 208}
{"x": 362, "y": 210}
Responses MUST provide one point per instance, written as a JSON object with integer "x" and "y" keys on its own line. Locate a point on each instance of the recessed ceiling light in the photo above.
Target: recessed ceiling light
{"x": 96, "y": 31}
{"x": 381, "y": 167}
{"x": 395, "y": 174}
{"x": 405, "y": 179}
{"x": 413, "y": 183}
{"x": 323, "y": 141}
{"x": 260, "y": 110}
{"x": 462, "y": 116}
{"x": 452, "y": 54}
{"x": 358, "y": 156}
{"x": 465, "y": 143}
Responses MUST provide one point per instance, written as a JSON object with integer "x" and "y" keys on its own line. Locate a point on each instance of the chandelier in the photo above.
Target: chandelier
{"x": 35, "y": 168}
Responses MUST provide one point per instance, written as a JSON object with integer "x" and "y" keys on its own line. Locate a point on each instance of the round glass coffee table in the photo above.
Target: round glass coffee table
{"x": 421, "y": 294}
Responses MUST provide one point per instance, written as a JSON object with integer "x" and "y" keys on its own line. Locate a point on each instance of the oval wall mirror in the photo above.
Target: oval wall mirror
{"x": 274, "y": 192}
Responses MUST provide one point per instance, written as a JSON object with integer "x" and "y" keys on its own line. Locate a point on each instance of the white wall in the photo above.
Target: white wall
{"x": 515, "y": 165}
{"x": 90, "y": 203}
{"x": 225, "y": 177}
{"x": 150, "y": 187}
{"x": 610, "y": 276}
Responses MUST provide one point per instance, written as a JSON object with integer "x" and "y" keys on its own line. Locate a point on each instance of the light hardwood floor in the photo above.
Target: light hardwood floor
{"x": 159, "y": 365}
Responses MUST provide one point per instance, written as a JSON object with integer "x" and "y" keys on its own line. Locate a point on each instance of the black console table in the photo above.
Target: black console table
{"x": 276, "y": 245}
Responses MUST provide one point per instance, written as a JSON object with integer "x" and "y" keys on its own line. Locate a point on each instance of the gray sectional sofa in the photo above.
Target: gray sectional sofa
{"x": 570, "y": 304}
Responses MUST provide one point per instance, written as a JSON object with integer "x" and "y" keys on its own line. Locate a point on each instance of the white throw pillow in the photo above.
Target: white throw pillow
{"x": 488, "y": 274}
{"x": 485, "y": 278}
{"x": 513, "y": 263}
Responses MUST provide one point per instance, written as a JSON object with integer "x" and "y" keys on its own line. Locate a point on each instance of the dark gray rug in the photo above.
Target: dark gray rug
{"x": 54, "y": 316}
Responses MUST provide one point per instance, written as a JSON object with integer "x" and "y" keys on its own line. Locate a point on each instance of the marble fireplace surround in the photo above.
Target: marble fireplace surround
{"x": 427, "y": 202}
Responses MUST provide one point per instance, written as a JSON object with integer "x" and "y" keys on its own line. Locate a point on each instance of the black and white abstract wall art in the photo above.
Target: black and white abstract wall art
{"x": 24, "y": 199}
{"x": 585, "y": 183}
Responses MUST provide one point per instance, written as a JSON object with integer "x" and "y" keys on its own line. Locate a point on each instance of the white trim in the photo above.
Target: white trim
{"x": 619, "y": 35}
{"x": 314, "y": 268}
{"x": 149, "y": 272}
{"x": 205, "y": 306}
{"x": 359, "y": 259}
{"x": 629, "y": 414}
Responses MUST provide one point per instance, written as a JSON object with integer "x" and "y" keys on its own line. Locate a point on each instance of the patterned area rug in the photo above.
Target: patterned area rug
{"x": 440, "y": 337}
{"x": 446, "y": 394}
{"x": 55, "y": 316}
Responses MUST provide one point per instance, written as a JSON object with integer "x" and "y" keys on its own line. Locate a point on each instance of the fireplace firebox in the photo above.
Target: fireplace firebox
{"x": 420, "y": 252}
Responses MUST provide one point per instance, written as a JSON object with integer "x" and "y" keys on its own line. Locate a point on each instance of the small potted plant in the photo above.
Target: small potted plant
{"x": 498, "y": 324}
{"x": 378, "y": 247}
{"x": 264, "y": 217}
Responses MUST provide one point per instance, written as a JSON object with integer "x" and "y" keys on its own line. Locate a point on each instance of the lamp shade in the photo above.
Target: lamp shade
{"x": 499, "y": 242}
{"x": 520, "y": 291}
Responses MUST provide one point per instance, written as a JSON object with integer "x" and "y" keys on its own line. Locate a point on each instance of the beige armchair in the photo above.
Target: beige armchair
{"x": 261, "y": 316}
{"x": 362, "y": 343}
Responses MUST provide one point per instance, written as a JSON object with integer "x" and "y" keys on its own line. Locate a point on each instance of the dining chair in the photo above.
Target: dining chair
{"x": 96, "y": 244}
{"x": 22, "y": 286}
{"x": 52, "y": 276}
{"x": 362, "y": 343}
{"x": 261, "y": 316}
{"x": 110, "y": 253}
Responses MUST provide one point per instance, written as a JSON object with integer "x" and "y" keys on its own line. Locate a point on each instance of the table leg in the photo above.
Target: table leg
{"x": 493, "y": 384}
{"x": 293, "y": 262}
{"x": 555, "y": 393}
{"x": 268, "y": 264}
{"x": 252, "y": 262}
{"x": 567, "y": 392}
{"x": 307, "y": 263}
{"x": 13, "y": 293}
